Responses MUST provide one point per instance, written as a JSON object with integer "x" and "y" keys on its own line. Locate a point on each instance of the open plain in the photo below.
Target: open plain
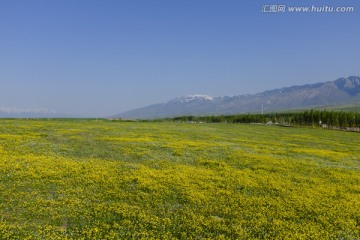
{"x": 87, "y": 179}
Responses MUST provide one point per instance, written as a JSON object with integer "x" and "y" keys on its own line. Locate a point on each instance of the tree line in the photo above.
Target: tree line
{"x": 314, "y": 118}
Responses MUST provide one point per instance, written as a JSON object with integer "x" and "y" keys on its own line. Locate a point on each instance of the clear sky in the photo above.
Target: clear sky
{"x": 102, "y": 57}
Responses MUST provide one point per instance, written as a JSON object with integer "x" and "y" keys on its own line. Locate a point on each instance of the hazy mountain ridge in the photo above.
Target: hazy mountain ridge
{"x": 344, "y": 90}
{"x": 12, "y": 112}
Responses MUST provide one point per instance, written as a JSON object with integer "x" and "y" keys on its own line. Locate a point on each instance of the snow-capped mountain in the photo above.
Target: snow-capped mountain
{"x": 344, "y": 90}
{"x": 190, "y": 98}
{"x": 14, "y": 112}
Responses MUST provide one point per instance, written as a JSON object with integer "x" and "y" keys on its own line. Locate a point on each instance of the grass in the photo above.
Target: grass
{"x": 115, "y": 180}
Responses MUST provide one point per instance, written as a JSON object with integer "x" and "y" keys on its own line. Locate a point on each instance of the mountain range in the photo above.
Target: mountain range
{"x": 11, "y": 112}
{"x": 342, "y": 91}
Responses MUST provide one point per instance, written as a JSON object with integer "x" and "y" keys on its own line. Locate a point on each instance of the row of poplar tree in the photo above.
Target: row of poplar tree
{"x": 325, "y": 119}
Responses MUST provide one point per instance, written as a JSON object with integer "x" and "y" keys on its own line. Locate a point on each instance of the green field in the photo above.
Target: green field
{"x": 116, "y": 180}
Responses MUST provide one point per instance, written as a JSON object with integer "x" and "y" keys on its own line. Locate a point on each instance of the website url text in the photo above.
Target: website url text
{"x": 272, "y": 8}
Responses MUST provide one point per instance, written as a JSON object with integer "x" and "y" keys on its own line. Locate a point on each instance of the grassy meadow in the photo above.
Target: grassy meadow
{"x": 133, "y": 180}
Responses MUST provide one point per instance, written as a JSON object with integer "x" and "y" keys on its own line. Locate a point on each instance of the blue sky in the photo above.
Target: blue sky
{"x": 98, "y": 58}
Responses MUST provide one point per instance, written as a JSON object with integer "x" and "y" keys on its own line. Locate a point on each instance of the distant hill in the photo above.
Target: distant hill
{"x": 10, "y": 112}
{"x": 341, "y": 92}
